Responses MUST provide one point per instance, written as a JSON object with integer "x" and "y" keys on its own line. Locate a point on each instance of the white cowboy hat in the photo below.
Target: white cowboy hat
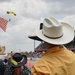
{"x": 55, "y": 32}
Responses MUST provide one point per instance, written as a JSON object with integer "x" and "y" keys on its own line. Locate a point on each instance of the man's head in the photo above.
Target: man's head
{"x": 55, "y": 32}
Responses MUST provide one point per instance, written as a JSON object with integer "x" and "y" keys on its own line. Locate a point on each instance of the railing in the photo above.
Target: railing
{"x": 40, "y": 50}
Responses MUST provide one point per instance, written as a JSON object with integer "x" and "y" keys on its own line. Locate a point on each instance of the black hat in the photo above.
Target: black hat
{"x": 18, "y": 60}
{"x": 17, "y": 57}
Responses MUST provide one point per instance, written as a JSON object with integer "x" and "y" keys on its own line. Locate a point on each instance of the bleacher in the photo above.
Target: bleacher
{"x": 70, "y": 46}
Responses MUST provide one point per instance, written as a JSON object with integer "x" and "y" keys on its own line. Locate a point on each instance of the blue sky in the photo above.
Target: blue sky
{"x": 30, "y": 13}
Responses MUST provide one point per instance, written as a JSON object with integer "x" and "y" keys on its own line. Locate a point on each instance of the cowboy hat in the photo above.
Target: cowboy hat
{"x": 55, "y": 32}
{"x": 18, "y": 60}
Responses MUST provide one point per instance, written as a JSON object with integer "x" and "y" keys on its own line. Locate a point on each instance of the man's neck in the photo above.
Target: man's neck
{"x": 48, "y": 46}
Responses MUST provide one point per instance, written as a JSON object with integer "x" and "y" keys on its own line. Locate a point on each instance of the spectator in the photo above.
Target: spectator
{"x": 2, "y": 67}
{"x": 57, "y": 60}
{"x": 16, "y": 65}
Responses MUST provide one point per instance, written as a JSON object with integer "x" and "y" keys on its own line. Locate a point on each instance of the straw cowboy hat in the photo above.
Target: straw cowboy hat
{"x": 2, "y": 50}
{"x": 55, "y": 32}
{"x": 18, "y": 60}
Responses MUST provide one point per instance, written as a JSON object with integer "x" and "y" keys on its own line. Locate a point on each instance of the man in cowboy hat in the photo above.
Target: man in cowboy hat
{"x": 57, "y": 60}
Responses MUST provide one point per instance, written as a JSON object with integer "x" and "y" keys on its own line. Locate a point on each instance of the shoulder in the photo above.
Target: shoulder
{"x": 40, "y": 66}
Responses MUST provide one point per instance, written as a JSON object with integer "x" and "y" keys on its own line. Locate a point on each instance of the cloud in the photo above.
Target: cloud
{"x": 60, "y": 7}
{"x": 5, "y": 0}
{"x": 70, "y": 20}
{"x": 30, "y": 13}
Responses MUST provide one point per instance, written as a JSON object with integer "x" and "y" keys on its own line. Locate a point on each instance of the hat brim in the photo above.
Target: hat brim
{"x": 68, "y": 35}
{"x": 24, "y": 61}
{"x": 19, "y": 64}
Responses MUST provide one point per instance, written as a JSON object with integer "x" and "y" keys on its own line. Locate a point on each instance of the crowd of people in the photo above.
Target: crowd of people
{"x": 56, "y": 60}
{"x": 14, "y": 64}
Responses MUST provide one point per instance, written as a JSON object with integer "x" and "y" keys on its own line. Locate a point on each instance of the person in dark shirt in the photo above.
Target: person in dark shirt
{"x": 2, "y": 67}
{"x": 16, "y": 65}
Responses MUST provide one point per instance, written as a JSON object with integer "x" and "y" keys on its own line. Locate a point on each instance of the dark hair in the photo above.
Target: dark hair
{"x": 17, "y": 71}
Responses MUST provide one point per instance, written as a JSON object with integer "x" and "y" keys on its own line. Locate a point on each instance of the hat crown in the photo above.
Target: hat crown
{"x": 17, "y": 57}
{"x": 52, "y": 28}
{"x": 55, "y": 32}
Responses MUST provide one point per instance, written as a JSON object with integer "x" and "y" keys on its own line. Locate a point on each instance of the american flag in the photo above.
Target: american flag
{"x": 3, "y": 24}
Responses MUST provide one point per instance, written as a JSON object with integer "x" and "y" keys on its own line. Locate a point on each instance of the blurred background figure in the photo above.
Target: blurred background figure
{"x": 2, "y": 67}
{"x": 16, "y": 65}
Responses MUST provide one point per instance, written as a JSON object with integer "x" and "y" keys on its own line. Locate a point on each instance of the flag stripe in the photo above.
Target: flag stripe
{"x": 3, "y": 24}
